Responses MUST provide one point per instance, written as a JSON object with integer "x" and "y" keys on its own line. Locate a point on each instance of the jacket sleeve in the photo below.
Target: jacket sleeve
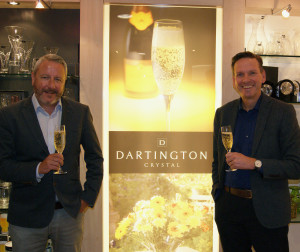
{"x": 215, "y": 163}
{"x": 93, "y": 159}
{"x": 281, "y": 156}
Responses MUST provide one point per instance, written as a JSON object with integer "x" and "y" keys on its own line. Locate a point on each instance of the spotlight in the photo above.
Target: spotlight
{"x": 285, "y": 11}
{"x": 39, "y": 5}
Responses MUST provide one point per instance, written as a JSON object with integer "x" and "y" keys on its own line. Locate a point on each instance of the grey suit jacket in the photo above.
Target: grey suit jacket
{"x": 22, "y": 148}
{"x": 277, "y": 144}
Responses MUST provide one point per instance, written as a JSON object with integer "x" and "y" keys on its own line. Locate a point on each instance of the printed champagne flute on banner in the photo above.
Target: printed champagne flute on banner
{"x": 60, "y": 143}
{"x": 227, "y": 139}
{"x": 168, "y": 59}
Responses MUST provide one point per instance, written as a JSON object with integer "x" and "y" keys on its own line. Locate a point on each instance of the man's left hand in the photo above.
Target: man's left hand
{"x": 239, "y": 161}
{"x": 84, "y": 206}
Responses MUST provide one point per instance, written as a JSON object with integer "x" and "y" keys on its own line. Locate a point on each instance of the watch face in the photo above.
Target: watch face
{"x": 258, "y": 163}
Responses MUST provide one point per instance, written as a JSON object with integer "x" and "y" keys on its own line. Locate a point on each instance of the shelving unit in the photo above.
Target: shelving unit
{"x": 22, "y": 82}
{"x": 288, "y": 65}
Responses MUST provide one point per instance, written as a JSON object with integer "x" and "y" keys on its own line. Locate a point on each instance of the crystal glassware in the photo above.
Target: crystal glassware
{"x": 26, "y": 49}
{"x": 227, "y": 139}
{"x": 60, "y": 143}
{"x": 15, "y": 36}
{"x": 168, "y": 59}
{"x": 4, "y": 58}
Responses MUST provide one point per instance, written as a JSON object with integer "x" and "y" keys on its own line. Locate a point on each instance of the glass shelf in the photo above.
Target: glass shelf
{"x": 280, "y": 56}
{"x": 22, "y": 82}
{"x": 281, "y": 59}
{"x": 7, "y": 75}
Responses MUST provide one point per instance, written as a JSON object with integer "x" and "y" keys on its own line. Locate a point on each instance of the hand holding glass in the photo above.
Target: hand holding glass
{"x": 60, "y": 143}
{"x": 227, "y": 139}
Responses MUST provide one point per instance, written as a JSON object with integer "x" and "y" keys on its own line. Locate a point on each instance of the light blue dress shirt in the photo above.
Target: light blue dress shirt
{"x": 47, "y": 123}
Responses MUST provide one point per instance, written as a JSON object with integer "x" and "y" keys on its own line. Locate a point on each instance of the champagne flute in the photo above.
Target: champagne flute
{"x": 168, "y": 59}
{"x": 227, "y": 139}
{"x": 60, "y": 143}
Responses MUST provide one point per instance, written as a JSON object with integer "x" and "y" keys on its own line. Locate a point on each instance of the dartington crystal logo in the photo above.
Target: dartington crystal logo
{"x": 161, "y": 158}
{"x": 162, "y": 152}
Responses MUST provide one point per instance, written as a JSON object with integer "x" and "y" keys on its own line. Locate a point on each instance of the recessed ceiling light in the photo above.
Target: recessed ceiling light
{"x": 13, "y": 3}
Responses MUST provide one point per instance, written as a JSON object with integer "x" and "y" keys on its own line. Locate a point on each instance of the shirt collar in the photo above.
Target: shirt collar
{"x": 257, "y": 105}
{"x": 38, "y": 107}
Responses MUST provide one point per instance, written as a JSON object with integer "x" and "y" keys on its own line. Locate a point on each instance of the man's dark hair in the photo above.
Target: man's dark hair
{"x": 246, "y": 54}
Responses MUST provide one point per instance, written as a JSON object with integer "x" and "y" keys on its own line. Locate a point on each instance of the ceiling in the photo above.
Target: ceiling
{"x": 75, "y": 4}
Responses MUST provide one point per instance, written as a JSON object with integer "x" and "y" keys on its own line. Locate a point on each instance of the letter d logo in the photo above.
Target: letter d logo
{"x": 161, "y": 142}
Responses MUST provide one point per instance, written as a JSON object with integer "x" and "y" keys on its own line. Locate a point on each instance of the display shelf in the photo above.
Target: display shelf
{"x": 280, "y": 56}
{"x": 281, "y": 59}
{"x": 22, "y": 82}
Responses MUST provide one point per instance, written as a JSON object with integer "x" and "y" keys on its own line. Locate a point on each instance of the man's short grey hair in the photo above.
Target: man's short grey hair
{"x": 50, "y": 57}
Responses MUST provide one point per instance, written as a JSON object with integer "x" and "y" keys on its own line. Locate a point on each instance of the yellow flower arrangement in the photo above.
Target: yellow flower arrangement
{"x": 159, "y": 225}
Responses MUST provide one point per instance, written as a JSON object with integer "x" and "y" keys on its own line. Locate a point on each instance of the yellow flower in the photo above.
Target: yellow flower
{"x": 193, "y": 221}
{"x": 176, "y": 230}
{"x": 159, "y": 219}
{"x": 158, "y": 213}
{"x": 131, "y": 216}
{"x": 120, "y": 232}
{"x": 157, "y": 201}
{"x": 185, "y": 212}
{"x": 159, "y": 222}
{"x": 125, "y": 222}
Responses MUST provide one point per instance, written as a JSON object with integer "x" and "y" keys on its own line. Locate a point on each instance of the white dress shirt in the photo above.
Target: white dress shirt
{"x": 47, "y": 123}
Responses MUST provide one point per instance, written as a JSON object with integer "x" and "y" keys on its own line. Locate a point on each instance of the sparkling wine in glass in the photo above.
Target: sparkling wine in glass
{"x": 60, "y": 143}
{"x": 227, "y": 139}
{"x": 168, "y": 59}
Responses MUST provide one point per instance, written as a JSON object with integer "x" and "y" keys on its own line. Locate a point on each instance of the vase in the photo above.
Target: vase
{"x": 26, "y": 49}
{"x": 252, "y": 40}
{"x": 15, "y": 34}
{"x": 261, "y": 35}
{"x": 4, "y": 57}
{"x": 258, "y": 40}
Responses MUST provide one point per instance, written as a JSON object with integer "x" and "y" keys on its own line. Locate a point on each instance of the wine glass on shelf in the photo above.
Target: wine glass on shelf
{"x": 227, "y": 139}
{"x": 60, "y": 143}
{"x": 168, "y": 59}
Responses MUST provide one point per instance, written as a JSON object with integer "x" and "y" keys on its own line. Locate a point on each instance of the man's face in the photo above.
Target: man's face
{"x": 247, "y": 78}
{"x": 48, "y": 83}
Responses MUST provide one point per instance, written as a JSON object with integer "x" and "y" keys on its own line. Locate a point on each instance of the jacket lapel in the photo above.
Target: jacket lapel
{"x": 233, "y": 114}
{"x": 66, "y": 117}
{"x": 263, "y": 114}
{"x": 30, "y": 119}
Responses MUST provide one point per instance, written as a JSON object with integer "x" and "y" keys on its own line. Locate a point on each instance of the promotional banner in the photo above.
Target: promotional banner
{"x": 161, "y": 109}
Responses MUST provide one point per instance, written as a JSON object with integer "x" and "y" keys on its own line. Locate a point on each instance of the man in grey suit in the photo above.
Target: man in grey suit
{"x": 43, "y": 204}
{"x": 250, "y": 183}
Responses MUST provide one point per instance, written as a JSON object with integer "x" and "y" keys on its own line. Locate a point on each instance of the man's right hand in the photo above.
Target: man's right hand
{"x": 52, "y": 162}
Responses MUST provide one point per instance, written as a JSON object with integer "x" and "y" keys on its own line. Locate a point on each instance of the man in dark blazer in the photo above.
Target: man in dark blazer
{"x": 43, "y": 204}
{"x": 250, "y": 183}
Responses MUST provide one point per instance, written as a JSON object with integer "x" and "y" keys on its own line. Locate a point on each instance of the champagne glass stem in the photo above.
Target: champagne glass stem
{"x": 168, "y": 99}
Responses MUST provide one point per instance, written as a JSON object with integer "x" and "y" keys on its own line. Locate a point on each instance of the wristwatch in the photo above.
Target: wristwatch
{"x": 258, "y": 164}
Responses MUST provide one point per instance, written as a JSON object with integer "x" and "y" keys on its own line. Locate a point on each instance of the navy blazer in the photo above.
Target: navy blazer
{"x": 277, "y": 144}
{"x": 22, "y": 148}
